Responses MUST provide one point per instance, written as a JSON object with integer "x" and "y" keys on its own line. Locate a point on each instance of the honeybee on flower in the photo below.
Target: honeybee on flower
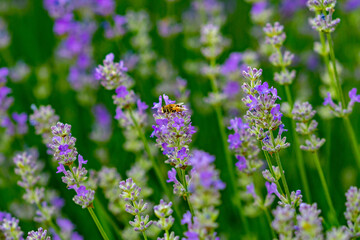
{"x": 172, "y": 108}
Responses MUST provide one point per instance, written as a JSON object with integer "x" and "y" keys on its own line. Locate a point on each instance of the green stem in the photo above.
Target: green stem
{"x": 167, "y": 234}
{"x": 283, "y": 179}
{"x": 333, "y": 60}
{"x": 154, "y": 164}
{"x": 98, "y": 224}
{"x": 183, "y": 177}
{"x": 327, "y": 61}
{"x": 144, "y": 235}
{"x": 299, "y": 156}
{"x": 325, "y": 187}
{"x": 268, "y": 160}
{"x": 269, "y": 221}
{"x": 109, "y": 218}
{"x": 353, "y": 141}
{"x": 228, "y": 159}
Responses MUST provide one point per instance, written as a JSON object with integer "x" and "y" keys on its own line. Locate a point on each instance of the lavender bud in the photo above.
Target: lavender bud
{"x": 285, "y": 77}
{"x": 324, "y": 23}
{"x": 163, "y": 211}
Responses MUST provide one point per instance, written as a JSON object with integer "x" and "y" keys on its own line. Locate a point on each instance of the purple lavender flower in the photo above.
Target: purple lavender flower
{"x": 58, "y": 8}
{"x": 40, "y": 234}
{"x": 64, "y": 24}
{"x": 66, "y": 154}
{"x": 21, "y": 120}
{"x": 264, "y": 114}
{"x": 168, "y": 27}
{"x": 205, "y": 186}
{"x": 352, "y": 211}
{"x": 118, "y": 29}
{"x": 352, "y": 5}
{"x": 337, "y": 109}
{"x": 244, "y": 144}
{"x": 173, "y": 132}
{"x": 4, "y": 72}
{"x": 102, "y": 129}
{"x": 308, "y": 222}
{"x": 9, "y": 227}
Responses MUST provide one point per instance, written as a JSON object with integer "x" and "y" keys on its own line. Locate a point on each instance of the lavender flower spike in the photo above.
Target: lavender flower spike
{"x": 130, "y": 193}
{"x": 352, "y": 213}
{"x": 42, "y": 119}
{"x": 163, "y": 211}
{"x": 173, "y": 132}
{"x": 110, "y": 74}
{"x": 40, "y": 234}
{"x": 308, "y": 222}
{"x": 66, "y": 154}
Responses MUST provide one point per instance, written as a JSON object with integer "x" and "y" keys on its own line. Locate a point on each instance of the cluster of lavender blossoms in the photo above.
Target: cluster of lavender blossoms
{"x": 205, "y": 186}
{"x": 173, "y": 132}
{"x": 10, "y": 229}
{"x": 306, "y": 126}
{"x": 244, "y": 144}
{"x": 130, "y": 193}
{"x": 276, "y": 37}
{"x": 264, "y": 114}
{"x": 113, "y": 75}
{"x": 352, "y": 213}
{"x": 33, "y": 181}
{"x": 323, "y": 21}
{"x": 163, "y": 211}
{"x": 339, "y": 110}
{"x": 65, "y": 152}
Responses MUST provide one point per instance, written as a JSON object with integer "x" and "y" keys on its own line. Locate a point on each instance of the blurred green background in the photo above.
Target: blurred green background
{"x": 33, "y": 41}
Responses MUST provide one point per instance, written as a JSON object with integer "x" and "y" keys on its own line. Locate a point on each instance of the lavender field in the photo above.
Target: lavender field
{"x": 179, "y": 119}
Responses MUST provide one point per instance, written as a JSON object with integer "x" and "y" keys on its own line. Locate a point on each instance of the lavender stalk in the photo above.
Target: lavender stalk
{"x": 212, "y": 46}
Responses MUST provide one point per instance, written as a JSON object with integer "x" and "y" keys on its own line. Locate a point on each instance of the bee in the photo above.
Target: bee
{"x": 172, "y": 108}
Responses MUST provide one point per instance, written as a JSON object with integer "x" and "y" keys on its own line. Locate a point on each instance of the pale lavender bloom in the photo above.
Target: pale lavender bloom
{"x": 66, "y": 154}
{"x": 21, "y": 121}
{"x": 117, "y": 30}
{"x": 9, "y": 227}
{"x": 232, "y": 64}
{"x": 258, "y": 7}
{"x": 111, "y": 74}
{"x": 337, "y": 109}
{"x": 352, "y": 214}
{"x": 4, "y": 72}
{"x": 341, "y": 233}
{"x": 289, "y": 7}
{"x": 40, "y": 234}
{"x": 64, "y": 24}
{"x": 58, "y": 8}
{"x": 352, "y": 5}
{"x": 19, "y": 72}
{"x": 283, "y": 222}
{"x": 163, "y": 211}
{"x": 130, "y": 193}
{"x": 104, "y": 7}
{"x": 309, "y": 224}
{"x": 4, "y": 35}
{"x": 102, "y": 128}
{"x": 168, "y": 27}
{"x": 324, "y": 23}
